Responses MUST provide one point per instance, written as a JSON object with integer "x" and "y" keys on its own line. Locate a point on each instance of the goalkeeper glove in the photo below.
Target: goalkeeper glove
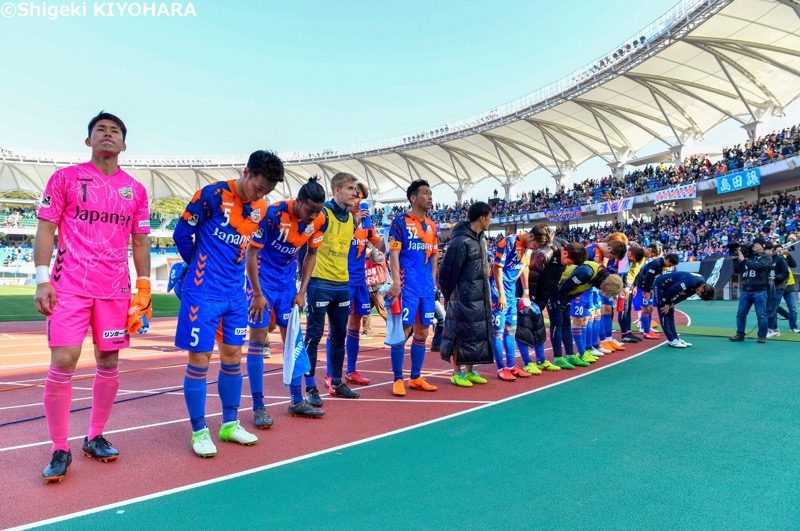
{"x": 141, "y": 309}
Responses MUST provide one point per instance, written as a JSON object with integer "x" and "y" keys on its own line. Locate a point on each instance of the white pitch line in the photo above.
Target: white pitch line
{"x": 408, "y": 401}
{"x": 165, "y": 423}
{"x": 8, "y": 336}
{"x": 319, "y": 452}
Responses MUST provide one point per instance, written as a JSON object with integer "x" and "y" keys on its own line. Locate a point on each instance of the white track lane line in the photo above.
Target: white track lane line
{"x": 317, "y": 453}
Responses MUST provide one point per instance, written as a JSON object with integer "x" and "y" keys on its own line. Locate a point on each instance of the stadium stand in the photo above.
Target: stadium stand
{"x": 692, "y": 235}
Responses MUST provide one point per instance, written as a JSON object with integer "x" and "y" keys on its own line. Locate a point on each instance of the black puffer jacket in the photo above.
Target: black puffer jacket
{"x": 545, "y": 273}
{"x": 464, "y": 281}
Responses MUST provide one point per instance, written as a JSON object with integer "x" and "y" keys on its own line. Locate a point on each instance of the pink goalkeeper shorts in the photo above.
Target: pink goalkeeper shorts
{"x": 73, "y": 314}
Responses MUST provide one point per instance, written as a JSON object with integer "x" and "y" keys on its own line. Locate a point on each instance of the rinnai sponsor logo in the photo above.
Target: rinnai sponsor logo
{"x": 322, "y": 304}
{"x": 344, "y": 304}
{"x": 143, "y": 223}
{"x": 231, "y": 239}
{"x": 240, "y": 331}
{"x": 113, "y": 334}
{"x": 95, "y": 216}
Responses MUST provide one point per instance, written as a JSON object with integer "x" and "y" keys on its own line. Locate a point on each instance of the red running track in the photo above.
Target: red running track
{"x": 149, "y": 425}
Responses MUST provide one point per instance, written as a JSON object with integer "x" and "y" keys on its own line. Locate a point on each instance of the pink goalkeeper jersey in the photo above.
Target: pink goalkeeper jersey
{"x": 96, "y": 215}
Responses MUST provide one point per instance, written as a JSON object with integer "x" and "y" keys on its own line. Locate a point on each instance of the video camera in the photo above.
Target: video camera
{"x": 746, "y": 248}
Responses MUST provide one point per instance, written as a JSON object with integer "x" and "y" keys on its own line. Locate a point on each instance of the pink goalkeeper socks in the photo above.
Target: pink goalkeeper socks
{"x": 104, "y": 391}
{"x": 57, "y": 399}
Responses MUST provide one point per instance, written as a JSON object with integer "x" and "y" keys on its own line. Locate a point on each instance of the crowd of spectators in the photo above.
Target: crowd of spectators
{"x": 765, "y": 149}
{"x": 16, "y": 217}
{"x": 693, "y": 235}
{"x": 13, "y": 254}
{"x": 698, "y": 234}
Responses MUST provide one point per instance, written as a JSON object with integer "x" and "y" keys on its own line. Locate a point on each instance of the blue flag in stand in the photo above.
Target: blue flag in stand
{"x": 295, "y": 356}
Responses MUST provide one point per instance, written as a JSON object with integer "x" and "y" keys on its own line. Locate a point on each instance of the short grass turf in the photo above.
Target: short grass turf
{"x": 674, "y": 439}
{"x": 16, "y": 304}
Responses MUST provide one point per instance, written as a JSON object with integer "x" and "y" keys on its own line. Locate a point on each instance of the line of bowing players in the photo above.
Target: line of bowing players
{"x": 228, "y": 233}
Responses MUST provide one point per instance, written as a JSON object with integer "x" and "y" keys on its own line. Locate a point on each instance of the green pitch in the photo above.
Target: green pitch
{"x": 16, "y": 304}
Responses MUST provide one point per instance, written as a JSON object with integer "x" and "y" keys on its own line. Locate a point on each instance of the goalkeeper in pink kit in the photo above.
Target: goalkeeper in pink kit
{"x": 96, "y": 208}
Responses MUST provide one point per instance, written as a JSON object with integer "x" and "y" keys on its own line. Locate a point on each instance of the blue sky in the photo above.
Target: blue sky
{"x": 296, "y": 75}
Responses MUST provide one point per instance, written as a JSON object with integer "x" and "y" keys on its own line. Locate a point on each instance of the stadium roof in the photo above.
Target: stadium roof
{"x": 701, "y": 64}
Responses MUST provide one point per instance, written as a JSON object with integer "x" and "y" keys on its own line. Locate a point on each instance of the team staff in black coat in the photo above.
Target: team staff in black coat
{"x": 543, "y": 278}
{"x": 464, "y": 281}
{"x": 754, "y": 282}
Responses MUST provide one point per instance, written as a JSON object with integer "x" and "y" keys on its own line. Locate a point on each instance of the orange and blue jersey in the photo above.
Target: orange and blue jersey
{"x": 357, "y": 258}
{"x": 212, "y": 236}
{"x": 416, "y": 240}
{"x": 509, "y": 255}
{"x": 595, "y": 254}
{"x": 280, "y": 236}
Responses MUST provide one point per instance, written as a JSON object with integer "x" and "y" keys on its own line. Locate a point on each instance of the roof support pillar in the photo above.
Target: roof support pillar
{"x": 560, "y": 179}
{"x": 751, "y": 129}
{"x": 507, "y": 188}
{"x": 617, "y": 169}
{"x": 676, "y": 152}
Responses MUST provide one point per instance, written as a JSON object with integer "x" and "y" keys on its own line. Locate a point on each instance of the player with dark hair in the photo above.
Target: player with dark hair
{"x": 97, "y": 208}
{"x": 671, "y": 288}
{"x": 644, "y": 283}
{"x": 574, "y": 291}
{"x": 212, "y": 237}
{"x": 607, "y": 253}
{"x": 464, "y": 280}
{"x": 544, "y": 275}
{"x": 413, "y": 248}
{"x": 636, "y": 262}
{"x": 512, "y": 251}
{"x": 272, "y": 290}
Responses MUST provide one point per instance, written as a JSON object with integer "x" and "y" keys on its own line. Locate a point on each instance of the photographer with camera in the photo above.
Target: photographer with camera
{"x": 778, "y": 276}
{"x": 753, "y": 264}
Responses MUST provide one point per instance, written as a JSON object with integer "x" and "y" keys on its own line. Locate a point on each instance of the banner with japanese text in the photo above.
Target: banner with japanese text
{"x": 564, "y": 214}
{"x": 612, "y": 207}
{"x": 733, "y": 182}
{"x": 687, "y": 191}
